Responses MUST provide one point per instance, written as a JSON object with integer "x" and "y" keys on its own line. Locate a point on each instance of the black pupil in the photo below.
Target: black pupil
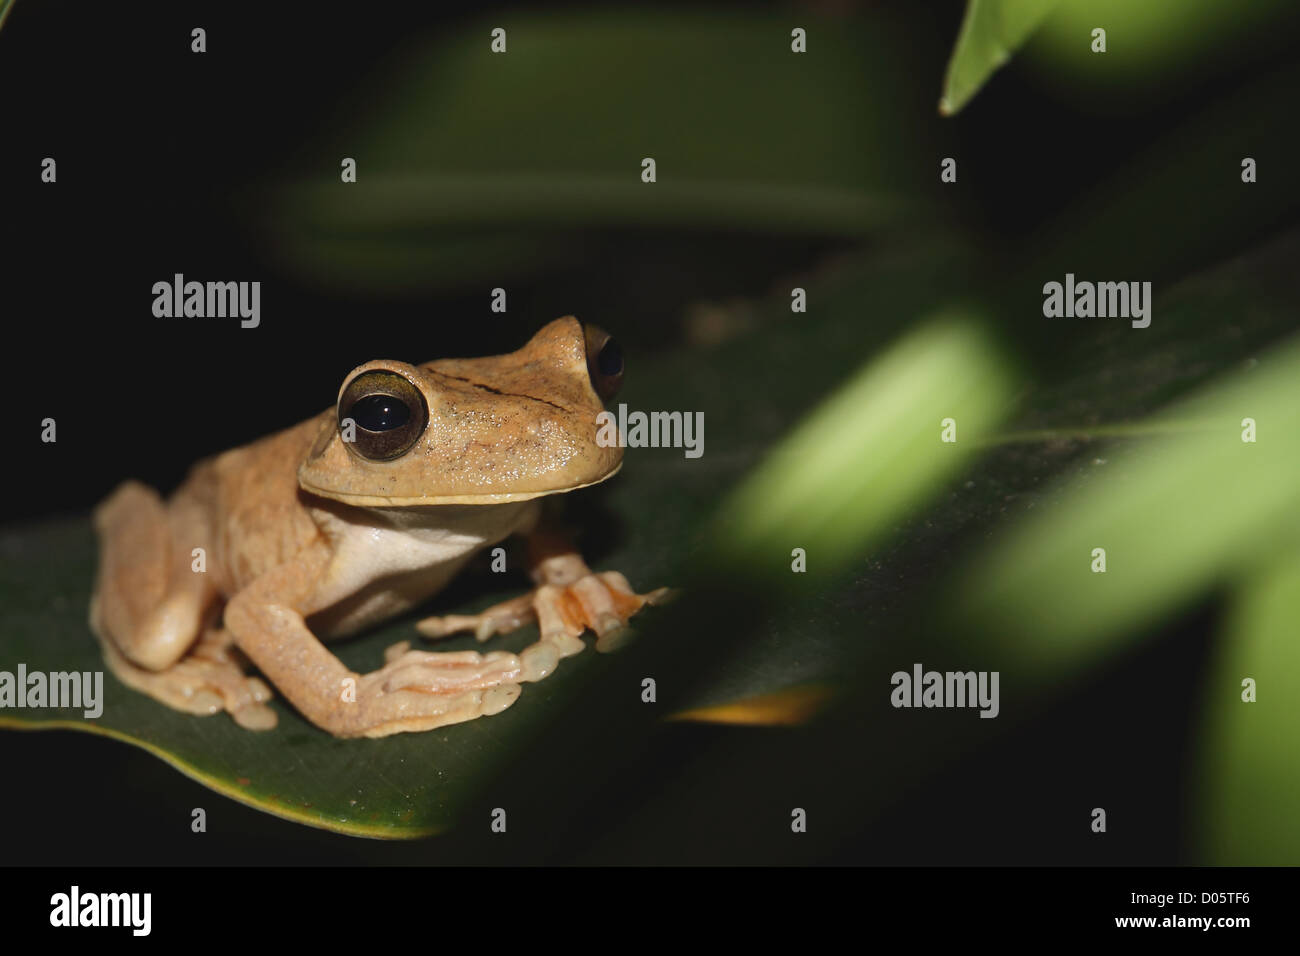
{"x": 380, "y": 413}
{"x": 610, "y": 359}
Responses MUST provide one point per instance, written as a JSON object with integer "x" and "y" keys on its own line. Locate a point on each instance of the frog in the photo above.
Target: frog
{"x": 226, "y": 592}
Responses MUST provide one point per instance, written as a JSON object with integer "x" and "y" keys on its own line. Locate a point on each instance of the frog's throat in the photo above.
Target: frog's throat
{"x": 380, "y": 501}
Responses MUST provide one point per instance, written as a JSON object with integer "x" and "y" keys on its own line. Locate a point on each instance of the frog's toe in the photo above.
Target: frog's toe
{"x": 200, "y": 686}
{"x": 499, "y": 698}
{"x": 604, "y": 602}
{"x": 421, "y": 690}
{"x": 245, "y": 699}
{"x": 499, "y": 619}
{"x": 437, "y": 672}
{"x": 255, "y": 717}
{"x": 242, "y": 696}
{"x": 613, "y": 632}
{"x": 539, "y": 661}
{"x": 617, "y": 582}
{"x": 571, "y": 601}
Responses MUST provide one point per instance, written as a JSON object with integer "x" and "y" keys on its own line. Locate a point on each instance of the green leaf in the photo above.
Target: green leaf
{"x": 991, "y": 31}
{"x": 1250, "y": 777}
{"x": 1067, "y": 432}
{"x": 408, "y": 785}
{"x": 1154, "y": 51}
{"x": 1174, "y": 514}
{"x": 875, "y": 450}
{"x": 478, "y": 165}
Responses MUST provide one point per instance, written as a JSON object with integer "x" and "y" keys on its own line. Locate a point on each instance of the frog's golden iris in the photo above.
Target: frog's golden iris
{"x": 387, "y": 414}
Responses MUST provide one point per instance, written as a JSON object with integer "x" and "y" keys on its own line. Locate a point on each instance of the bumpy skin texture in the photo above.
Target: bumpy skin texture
{"x": 304, "y": 538}
{"x": 502, "y": 428}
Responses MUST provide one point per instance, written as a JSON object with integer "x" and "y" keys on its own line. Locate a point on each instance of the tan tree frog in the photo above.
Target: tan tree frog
{"x": 359, "y": 514}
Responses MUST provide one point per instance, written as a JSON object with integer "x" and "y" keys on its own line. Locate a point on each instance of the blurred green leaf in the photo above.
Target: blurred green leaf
{"x": 1174, "y": 514}
{"x": 460, "y": 145}
{"x": 1064, "y": 430}
{"x": 1154, "y": 51}
{"x": 990, "y": 32}
{"x": 1251, "y": 778}
{"x": 874, "y": 450}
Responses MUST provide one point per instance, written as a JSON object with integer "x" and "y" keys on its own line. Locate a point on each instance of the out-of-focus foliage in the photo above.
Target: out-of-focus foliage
{"x": 472, "y": 164}
{"x": 1174, "y": 515}
{"x": 1150, "y": 47}
{"x": 1153, "y": 49}
{"x": 1250, "y": 774}
{"x": 990, "y": 33}
{"x": 888, "y": 440}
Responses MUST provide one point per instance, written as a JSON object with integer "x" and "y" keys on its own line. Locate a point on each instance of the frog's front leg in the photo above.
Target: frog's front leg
{"x": 569, "y": 598}
{"x": 413, "y": 691}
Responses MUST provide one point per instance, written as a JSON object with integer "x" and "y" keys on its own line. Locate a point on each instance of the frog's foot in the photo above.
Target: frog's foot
{"x": 499, "y": 619}
{"x": 570, "y": 599}
{"x": 421, "y": 690}
{"x": 206, "y": 681}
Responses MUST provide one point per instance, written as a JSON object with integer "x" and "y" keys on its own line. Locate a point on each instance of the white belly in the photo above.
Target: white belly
{"x": 388, "y": 560}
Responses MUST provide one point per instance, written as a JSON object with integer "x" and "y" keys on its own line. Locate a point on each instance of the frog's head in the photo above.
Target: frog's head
{"x": 472, "y": 431}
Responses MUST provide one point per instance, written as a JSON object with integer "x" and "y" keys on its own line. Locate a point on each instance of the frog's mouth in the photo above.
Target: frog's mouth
{"x": 399, "y": 501}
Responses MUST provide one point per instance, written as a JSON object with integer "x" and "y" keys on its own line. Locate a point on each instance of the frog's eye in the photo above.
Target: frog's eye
{"x": 388, "y": 414}
{"x": 604, "y": 361}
